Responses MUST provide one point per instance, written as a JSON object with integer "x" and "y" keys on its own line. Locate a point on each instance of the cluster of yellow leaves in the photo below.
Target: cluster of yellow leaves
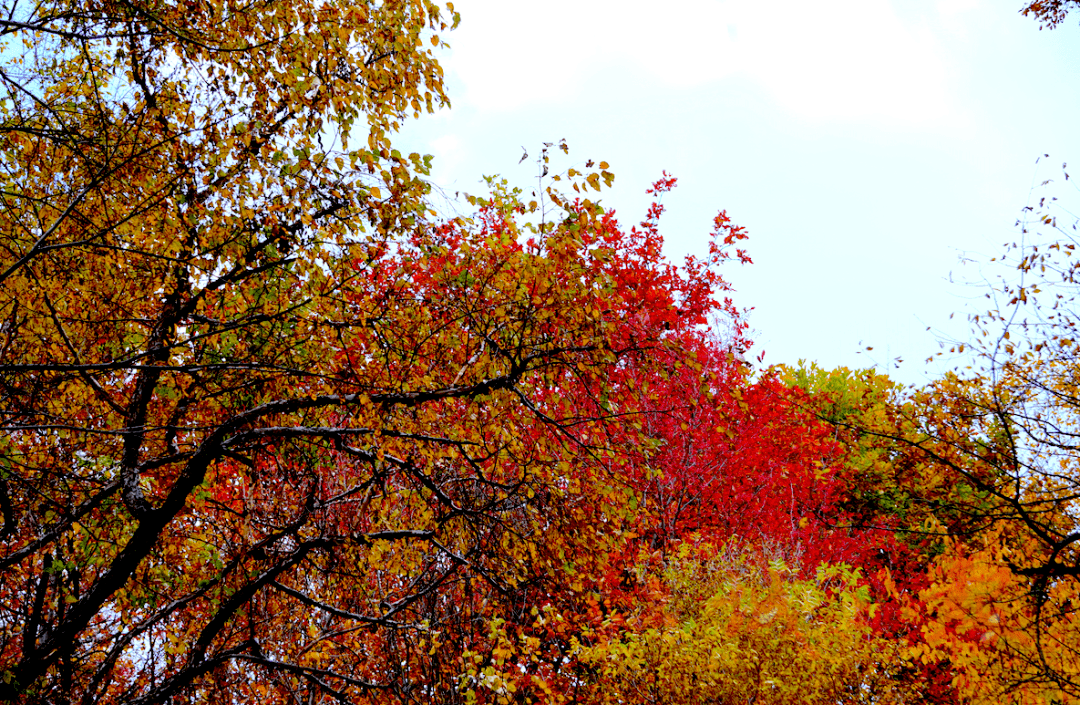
{"x": 744, "y": 627}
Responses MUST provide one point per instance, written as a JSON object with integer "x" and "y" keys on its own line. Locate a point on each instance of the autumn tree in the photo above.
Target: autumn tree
{"x": 745, "y": 625}
{"x": 272, "y": 430}
{"x": 751, "y": 508}
{"x": 1001, "y": 604}
{"x": 913, "y": 505}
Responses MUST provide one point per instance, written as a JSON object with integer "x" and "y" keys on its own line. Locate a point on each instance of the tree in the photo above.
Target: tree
{"x": 1001, "y": 604}
{"x": 742, "y": 475}
{"x": 174, "y": 180}
{"x": 887, "y": 486}
{"x": 745, "y": 626}
{"x": 1049, "y": 13}
{"x": 271, "y": 429}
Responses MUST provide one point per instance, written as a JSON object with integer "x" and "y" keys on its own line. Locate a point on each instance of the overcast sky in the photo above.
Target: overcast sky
{"x": 867, "y": 145}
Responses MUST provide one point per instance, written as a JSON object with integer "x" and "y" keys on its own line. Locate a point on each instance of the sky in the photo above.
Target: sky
{"x": 873, "y": 149}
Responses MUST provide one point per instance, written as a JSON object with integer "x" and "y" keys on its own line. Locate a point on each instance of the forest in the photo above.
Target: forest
{"x": 277, "y": 429}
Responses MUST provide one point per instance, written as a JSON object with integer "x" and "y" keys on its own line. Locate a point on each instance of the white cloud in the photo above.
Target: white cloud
{"x": 834, "y": 59}
{"x": 852, "y": 59}
{"x": 951, "y": 8}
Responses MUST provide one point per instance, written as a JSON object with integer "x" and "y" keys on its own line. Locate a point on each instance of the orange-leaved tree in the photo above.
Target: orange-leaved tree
{"x": 1001, "y": 605}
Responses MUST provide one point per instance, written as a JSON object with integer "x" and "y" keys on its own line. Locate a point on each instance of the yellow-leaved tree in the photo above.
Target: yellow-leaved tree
{"x": 741, "y": 625}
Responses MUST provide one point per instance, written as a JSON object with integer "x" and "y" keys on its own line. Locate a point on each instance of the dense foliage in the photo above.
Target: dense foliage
{"x": 275, "y": 430}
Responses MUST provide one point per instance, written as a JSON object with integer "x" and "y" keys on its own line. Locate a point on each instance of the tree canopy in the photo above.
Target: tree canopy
{"x": 275, "y": 429}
